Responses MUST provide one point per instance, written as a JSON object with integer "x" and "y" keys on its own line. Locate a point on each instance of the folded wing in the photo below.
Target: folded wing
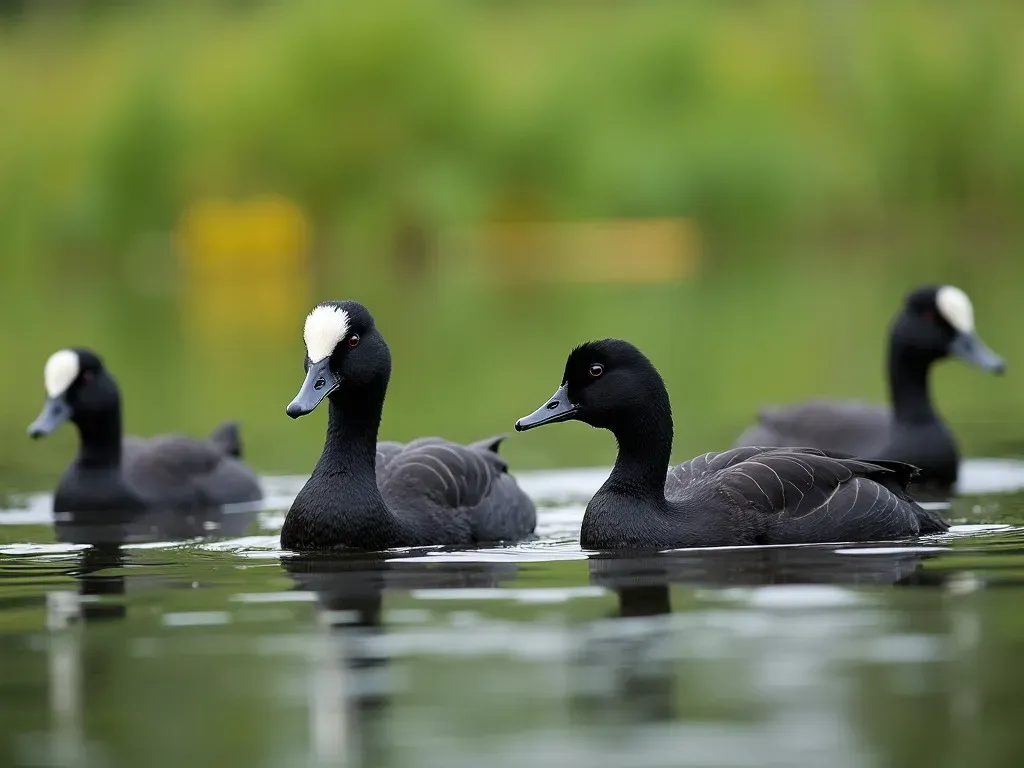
{"x": 180, "y": 471}
{"x": 439, "y": 478}
{"x": 799, "y": 492}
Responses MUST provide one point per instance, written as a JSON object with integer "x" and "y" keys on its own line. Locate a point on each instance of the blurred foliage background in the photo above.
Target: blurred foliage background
{"x": 180, "y": 182}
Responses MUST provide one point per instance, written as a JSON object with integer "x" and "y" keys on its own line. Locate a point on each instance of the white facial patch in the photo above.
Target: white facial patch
{"x": 956, "y": 307}
{"x": 60, "y": 372}
{"x": 326, "y": 326}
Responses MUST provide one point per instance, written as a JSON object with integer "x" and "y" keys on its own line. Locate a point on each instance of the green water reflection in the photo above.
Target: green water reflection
{"x": 205, "y": 654}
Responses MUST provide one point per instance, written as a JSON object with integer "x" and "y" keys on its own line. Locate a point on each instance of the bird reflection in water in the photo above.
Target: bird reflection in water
{"x": 628, "y": 671}
{"x": 350, "y": 688}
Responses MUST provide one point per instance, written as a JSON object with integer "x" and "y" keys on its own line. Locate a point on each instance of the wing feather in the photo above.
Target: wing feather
{"x": 800, "y": 491}
{"x": 180, "y": 471}
{"x": 441, "y": 480}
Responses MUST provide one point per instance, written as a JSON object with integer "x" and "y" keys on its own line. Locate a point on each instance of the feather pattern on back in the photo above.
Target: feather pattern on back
{"x": 803, "y": 494}
{"x": 181, "y": 471}
{"x": 462, "y": 486}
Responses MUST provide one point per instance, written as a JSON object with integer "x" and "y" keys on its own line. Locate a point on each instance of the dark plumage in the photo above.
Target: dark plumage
{"x": 741, "y": 496}
{"x": 366, "y": 495}
{"x": 112, "y": 473}
{"x": 911, "y": 430}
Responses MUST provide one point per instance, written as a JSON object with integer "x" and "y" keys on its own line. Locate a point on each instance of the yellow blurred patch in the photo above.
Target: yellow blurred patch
{"x": 617, "y": 251}
{"x": 246, "y": 266}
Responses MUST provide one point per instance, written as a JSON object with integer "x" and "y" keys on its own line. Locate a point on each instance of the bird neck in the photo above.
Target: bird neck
{"x": 644, "y": 437}
{"x": 341, "y": 505}
{"x": 909, "y": 386}
{"x": 350, "y": 446}
{"x": 100, "y": 438}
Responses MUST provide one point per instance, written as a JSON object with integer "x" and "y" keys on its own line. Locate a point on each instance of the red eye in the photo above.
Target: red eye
{"x": 86, "y": 377}
{"x": 929, "y": 316}
{"x": 353, "y": 340}
{"x": 596, "y": 370}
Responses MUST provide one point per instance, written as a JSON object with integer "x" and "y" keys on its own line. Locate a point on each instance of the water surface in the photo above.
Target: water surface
{"x": 226, "y": 651}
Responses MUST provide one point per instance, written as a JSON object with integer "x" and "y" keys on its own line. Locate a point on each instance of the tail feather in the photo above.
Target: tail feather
{"x": 931, "y": 521}
{"x": 898, "y": 478}
{"x": 489, "y": 444}
{"x": 896, "y": 474}
{"x": 227, "y": 437}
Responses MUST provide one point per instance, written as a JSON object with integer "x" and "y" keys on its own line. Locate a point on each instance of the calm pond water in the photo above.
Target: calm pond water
{"x": 226, "y": 651}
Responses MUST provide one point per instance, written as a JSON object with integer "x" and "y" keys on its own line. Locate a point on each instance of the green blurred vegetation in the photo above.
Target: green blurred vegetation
{"x": 833, "y": 155}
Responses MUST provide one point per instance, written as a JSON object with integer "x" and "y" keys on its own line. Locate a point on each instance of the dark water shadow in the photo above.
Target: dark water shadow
{"x": 112, "y": 527}
{"x": 754, "y": 566}
{"x": 100, "y": 578}
{"x": 641, "y": 678}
